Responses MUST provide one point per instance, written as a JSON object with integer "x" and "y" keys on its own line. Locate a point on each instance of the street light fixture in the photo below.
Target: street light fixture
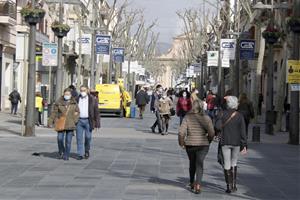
{"x": 270, "y": 115}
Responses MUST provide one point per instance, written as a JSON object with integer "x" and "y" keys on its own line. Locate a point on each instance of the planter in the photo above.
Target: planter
{"x": 294, "y": 24}
{"x": 271, "y": 39}
{"x": 32, "y": 16}
{"x": 60, "y": 32}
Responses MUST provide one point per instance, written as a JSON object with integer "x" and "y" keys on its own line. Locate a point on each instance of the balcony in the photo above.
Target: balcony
{"x": 8, "y": 13}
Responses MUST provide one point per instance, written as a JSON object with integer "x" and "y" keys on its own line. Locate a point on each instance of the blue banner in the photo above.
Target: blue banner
{"x": 247, "y": 49}
{"x": 103, "y": 44}
{"x": 118, "y": 54}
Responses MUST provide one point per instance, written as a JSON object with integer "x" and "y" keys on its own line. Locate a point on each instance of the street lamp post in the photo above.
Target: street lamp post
{"x": 271, "y": 38}
{"x": 32, "y": 19}
{"x": 294, "y": 122}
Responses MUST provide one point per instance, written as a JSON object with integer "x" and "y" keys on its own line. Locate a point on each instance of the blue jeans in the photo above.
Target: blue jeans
{"x": 83, "y": 129}
{"x": 64, "y": 149}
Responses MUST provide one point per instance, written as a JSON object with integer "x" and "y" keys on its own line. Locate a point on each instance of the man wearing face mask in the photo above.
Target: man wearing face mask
{"x": 89, "y": 119}
{"x": 154, "y": 108}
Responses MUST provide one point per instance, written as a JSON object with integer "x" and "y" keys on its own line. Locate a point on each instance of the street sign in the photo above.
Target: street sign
{"x": 86, "y": 44}
{"x": 49, "y": 54}
{"x": 212, "y": 58}
{"x": 118, "y": 54}
{"x": 225, "y": 63}
{"x": 247, "y": 49}
{"x": 103, "y": 44}
{"x": 295, "y": 87}
{"x": 228, "y": 47}
{"x": 293, "y": 71}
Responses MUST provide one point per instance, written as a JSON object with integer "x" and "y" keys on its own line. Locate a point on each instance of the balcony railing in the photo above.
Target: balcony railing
{"x": 8, "y": 8}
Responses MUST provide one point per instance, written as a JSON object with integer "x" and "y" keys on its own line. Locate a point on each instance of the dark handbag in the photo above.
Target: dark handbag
{"x": 220, "y": 155}
{"x": 172, "y": 111}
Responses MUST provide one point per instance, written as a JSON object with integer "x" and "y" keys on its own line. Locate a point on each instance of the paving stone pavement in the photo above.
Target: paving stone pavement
{"x": 129, "y": 162}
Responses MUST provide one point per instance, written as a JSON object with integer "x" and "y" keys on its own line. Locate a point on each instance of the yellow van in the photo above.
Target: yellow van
{"x": 110, "y": 99}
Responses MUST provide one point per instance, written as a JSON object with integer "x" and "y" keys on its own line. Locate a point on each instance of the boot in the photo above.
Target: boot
{"x": 228, "y": 179}
{"x": 234, "y": 172}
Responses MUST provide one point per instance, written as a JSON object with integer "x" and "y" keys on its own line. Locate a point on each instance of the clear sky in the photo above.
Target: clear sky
{"x": 165, "y": 13}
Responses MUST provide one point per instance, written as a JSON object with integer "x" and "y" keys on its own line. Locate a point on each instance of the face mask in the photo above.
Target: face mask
{"x": 164, "y": 96}
{"x": 67, "y": 97}
{"x": 197, "y": 92}
{"x": 184, "y": 94}
{"x": 160, "y": 90}
{"x": 83, "y": 94}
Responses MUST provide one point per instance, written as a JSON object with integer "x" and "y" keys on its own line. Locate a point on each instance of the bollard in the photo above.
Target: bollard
{"x": 45, "y": 116}
{"x": 127, "y": 112}
{"x": 132, "y": 111}
{"x": 256, "y": 134}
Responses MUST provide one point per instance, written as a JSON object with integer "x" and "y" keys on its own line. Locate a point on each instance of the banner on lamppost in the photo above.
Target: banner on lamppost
{"x": 293, "y": 71}
{"x": 103, "y": 44}
{"x": 49, "y": 54}
{"x": 118, "y": 54}
{"x": 212, "y": 58}
{"x": 228, "y": 47}
{"x": 86, "y": 44}
{"x": 247, "y": 49}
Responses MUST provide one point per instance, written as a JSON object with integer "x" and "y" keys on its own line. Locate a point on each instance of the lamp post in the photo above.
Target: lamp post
{"x": 271, "y": 36}
{"x": 33, "y": 16}
{"x": 294, "y": 122}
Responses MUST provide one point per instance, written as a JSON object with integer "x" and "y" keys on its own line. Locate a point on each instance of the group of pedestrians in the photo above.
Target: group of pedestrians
{"x": 72, "y": 113}
{"x": 162, "y": 106}
{"x": 199, "y": 127}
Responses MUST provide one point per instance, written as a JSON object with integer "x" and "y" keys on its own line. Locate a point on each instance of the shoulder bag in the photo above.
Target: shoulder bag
{"x": 61, "y": 122}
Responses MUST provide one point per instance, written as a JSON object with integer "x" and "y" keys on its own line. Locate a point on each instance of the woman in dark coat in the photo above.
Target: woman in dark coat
{"x": 246, "y": 109}
{"x": 233, "y": 140}
{"x": 184, "y": 105}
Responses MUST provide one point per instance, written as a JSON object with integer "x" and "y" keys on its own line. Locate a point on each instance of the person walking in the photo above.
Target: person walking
{"x": 165, "y": 105}
{"x": 65, "y": 114}
{"x": 38, "y": 108}
{"x": 246, "y": 109}
{"x": 154, "y": 108}
{"x": 14, "y": 98}
{"x": 211, "y": 103}
{"x": 233, "y": 140}
{"x": 194, "y": 95}
{"x": 195, "y": 134}
{"x": 184, "y": 105}
{"x": 142, "y": 99}
{"x": 89, "y": 119}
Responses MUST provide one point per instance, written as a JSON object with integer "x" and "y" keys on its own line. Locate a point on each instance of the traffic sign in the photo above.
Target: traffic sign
{"x": 49, "y": 54}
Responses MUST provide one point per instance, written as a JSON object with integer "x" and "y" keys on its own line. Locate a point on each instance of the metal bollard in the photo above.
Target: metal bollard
{"x": 256, "y": 134}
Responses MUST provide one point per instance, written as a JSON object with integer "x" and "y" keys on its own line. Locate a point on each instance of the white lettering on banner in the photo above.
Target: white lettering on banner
{"x": 247, "y": 45}
{"x": 102, "y": 40}
{"x": 228, "y": 47}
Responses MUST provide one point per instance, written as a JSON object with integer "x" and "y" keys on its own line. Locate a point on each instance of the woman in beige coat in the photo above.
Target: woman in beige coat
{"x": 195, "y": 134}
{"x": 65, "y": 106}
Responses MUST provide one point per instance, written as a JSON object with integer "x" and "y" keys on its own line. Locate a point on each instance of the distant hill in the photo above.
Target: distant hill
{"x": 162, "y": 48}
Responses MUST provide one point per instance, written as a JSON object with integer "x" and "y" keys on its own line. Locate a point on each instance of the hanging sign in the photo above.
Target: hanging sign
{"x": 49, "y": 54}
{"x": 293, "y": 71}
{"x": 247, "y": 49}
{"x": 103, "y": 44}
{"x": 86, "y": 45}
{"x": 118, "y": 54}
{"x": 228, "y": 47}
{"x": 212, "y": 58}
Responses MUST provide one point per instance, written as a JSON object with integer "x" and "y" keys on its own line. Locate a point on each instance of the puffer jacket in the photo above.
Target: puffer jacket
{"x": 164, "y": 106}
{"x": 60, "y": 107}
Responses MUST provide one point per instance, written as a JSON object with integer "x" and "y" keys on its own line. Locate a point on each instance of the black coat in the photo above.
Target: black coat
{"x": 94, "y": 115}
{"x": 14, "y": 97}
{"x": 142, "y": 98}
{"x": 247, "y": 110}
{"x": 234, "y": 132}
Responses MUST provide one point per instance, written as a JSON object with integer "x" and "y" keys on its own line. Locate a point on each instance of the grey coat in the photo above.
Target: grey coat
{"x": 234, "y": 132}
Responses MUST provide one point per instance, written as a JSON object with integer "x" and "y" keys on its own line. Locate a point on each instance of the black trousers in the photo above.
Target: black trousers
{"x": 196, "y": 156}
{"x": 14, "y": 108}
{"x": 158, "y": 122}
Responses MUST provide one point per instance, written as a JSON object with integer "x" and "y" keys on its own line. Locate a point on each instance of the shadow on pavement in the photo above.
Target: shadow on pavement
{"x": 52, "y": 155}
{"x": 9, "y": 131}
